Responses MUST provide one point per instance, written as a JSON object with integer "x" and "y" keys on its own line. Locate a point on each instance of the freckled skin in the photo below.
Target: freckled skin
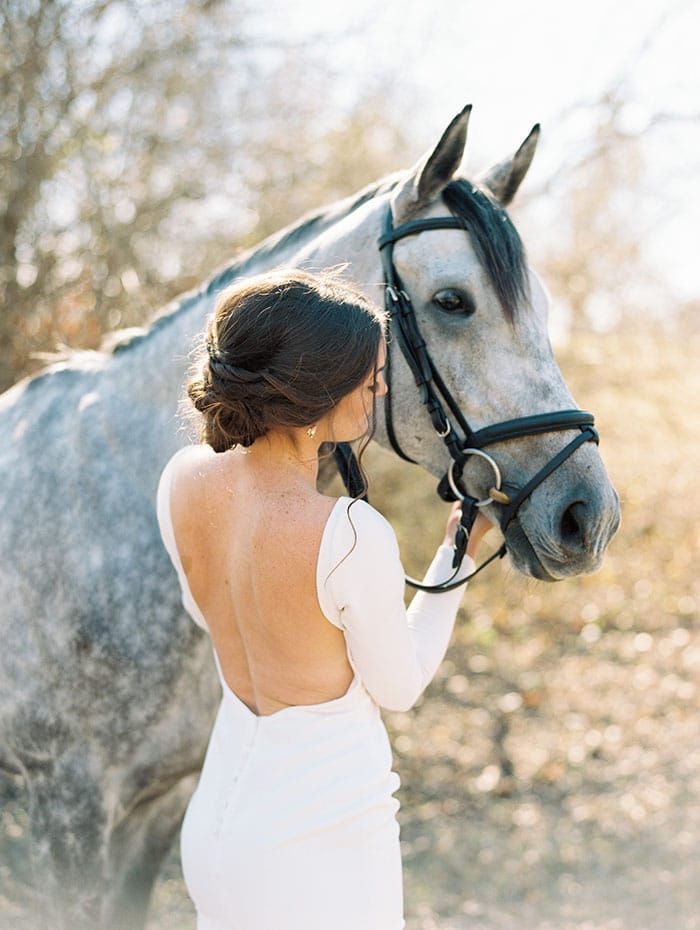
{"x": 107, "y": 689}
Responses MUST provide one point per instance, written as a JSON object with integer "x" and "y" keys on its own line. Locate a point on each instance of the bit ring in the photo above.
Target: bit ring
{"x": 497, "y": 473}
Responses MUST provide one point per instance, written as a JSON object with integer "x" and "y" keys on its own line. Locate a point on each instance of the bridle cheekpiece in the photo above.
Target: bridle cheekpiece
{"x": 444, "y": 411}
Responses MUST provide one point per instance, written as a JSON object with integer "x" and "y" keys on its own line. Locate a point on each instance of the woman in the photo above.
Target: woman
{"x": 292, "y": 825}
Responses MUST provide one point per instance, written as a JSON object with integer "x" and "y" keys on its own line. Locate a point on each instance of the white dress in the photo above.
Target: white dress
{"x": 293, "y": 823}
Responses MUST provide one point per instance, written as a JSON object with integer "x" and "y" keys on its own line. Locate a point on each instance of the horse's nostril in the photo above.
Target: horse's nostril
{"x": 572, "y": 524}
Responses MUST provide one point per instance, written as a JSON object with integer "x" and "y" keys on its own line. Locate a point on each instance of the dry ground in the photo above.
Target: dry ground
{"x": 551, "y": 774}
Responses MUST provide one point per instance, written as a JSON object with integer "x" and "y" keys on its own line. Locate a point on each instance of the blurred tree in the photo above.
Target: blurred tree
{"x": 596, "y": 264}
{"x": 100, "y": 103}
{"x": 607, "y": 215}
{"x": 337, "y": 158}
{"x": 621, "y": 195}
{"x": 138, "y": 141}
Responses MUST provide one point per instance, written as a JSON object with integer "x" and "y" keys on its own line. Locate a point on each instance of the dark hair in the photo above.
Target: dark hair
{"x": 281, "y": 350}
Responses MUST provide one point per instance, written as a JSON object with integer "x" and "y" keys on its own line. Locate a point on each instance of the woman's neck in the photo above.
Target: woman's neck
{"x": 281, "y": 457}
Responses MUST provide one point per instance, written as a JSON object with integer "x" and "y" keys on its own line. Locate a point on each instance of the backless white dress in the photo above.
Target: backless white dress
{"x": 293, "y": 823}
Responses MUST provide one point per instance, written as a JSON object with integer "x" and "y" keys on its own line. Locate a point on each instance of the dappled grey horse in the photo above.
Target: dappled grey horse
{"x": 107, "y": 690}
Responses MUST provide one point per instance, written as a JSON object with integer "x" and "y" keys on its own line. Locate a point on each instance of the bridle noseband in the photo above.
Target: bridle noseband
{"x": 438, "y": 400}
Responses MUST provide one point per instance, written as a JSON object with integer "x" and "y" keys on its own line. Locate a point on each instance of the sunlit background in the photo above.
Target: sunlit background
{"x": 551, "y": 776}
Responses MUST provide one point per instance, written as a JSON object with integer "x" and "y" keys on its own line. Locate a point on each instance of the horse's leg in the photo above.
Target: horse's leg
{"x": 137, "y": 848}
{"x": 86, "y": 879}
{"x": 66, "y": 825}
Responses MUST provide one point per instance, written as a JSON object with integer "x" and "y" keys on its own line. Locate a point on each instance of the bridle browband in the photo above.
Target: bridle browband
{"x": 436, "y": 397}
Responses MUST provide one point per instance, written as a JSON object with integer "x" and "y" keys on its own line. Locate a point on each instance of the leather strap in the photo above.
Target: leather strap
{"x": 509, "y": 511}
{"x": 434, "y": 393}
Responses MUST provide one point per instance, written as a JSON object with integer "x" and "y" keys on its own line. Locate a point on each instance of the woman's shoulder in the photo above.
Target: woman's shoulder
{"x": 190, "y": 468}
{"x": 359, "y": 527}
{"x": 185, "y": 483}
{"x": 358, "y": 547}
{"x": 189, "y": 459}
{"x": 369, "y": 517}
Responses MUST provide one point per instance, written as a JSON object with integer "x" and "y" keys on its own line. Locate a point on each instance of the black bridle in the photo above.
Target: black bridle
{"x": 438, "y": 401}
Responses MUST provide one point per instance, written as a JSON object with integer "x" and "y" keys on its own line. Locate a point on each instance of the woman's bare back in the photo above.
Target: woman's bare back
{"x": 249, "y": 550}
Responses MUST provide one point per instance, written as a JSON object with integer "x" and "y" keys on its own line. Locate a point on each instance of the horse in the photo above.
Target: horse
{"x": 107, "y": 689}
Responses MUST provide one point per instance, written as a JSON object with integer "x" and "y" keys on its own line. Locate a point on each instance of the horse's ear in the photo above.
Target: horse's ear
{"x": 504, "y": 179}
{"x": 433, "y": 172}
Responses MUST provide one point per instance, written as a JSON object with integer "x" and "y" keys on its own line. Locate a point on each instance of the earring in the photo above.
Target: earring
{"x": 311, "y": 431}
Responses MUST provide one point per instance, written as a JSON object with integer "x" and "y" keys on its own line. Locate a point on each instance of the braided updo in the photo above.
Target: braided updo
{"x": 281, "y": 350}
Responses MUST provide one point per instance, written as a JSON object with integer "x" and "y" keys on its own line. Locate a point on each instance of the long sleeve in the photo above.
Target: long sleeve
{"x": 360, "y": 580}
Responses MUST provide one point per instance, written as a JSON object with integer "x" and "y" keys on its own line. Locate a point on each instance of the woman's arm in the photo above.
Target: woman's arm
{"x": 394, "y": 651}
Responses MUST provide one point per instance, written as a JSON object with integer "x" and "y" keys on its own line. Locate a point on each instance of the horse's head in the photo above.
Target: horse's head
{"x": 483, "y": 315}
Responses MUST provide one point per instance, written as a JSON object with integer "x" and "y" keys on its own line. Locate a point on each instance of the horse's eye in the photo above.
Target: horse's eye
{"x": 455, "y": 302}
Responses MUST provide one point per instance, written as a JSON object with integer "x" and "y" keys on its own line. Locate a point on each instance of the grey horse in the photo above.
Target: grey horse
{"x": 107, "y": 690}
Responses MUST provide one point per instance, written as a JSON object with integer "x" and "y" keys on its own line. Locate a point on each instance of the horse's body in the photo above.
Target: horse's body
{"x": 106, "y": 688}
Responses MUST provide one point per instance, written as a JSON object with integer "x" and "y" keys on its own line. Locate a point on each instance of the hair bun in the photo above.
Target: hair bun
{"x": 231, "y": 418}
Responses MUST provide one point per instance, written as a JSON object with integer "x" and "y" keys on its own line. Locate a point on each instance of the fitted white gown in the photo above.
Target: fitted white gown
{"x": 293, "y": 823}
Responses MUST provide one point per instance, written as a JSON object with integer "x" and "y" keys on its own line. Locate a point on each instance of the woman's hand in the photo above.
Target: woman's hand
{"x": 481, "y": 527}
{"x": 479, "y": 530}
